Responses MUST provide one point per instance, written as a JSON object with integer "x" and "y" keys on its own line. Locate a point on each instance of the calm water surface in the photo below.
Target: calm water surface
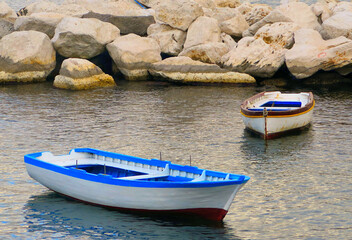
{"x": 300, "y": 185}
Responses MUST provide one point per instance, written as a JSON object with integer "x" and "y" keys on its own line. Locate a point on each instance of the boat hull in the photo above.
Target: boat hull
{"x": 274, "y": 121}
{"x": 207, "y": 202}
{"x": 277, "y": 126}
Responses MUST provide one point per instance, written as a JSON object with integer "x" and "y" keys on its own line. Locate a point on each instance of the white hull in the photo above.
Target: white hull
{"x": 137, "y": 198}
{"x": 275, "y": 125}
{"x": 271, "y": 114}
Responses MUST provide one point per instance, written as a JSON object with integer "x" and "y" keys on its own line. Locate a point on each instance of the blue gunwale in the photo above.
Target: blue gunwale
{"x": 108, "y": 179}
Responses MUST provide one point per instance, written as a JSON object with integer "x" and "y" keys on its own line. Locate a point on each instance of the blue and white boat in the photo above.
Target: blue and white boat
{"x": 132, "y": 183}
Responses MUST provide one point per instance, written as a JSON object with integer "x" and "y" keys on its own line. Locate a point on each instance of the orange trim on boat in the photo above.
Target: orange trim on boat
{"x": 280, "y": 116}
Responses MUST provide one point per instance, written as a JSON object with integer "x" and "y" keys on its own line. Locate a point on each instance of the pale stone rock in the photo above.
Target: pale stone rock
{"x": 301, "y": 14}
{"x": 171, "y": 40}
{"x": 207, "y": 53}
{"x": 69, "y": 9}
{"x": 297, "y": 12}
{"x": 26, "y": 56}
{"x": 311, "y": 53}
{"x": 81, "y": 74}
{"x": 321, "y": 10}
{"x": 133, "y": 55}
{"x": 203, "y": 30}
{"x": 245, "y": 8}
{"x": 128, "y": 16}
{"x": 83, "y": 38}
{"x": 178, "y": 13}
{"x": 7, "y": 13}
{"x": 41, "y": 22}
{"x": 279, "y": 34}
{"x": 227, "y": 3}
{"x": 6, "y": 27}
{"x": 340, "y": 24}
{"x": 342, "y": 6}
{"x": 185, "y": 70}
{"x": 221, "y": 14}
{"x": 235, "y": 26}
{"x": 255, "y": 57}
{"x": 228, "y": 40}
{"x": 206, "y": 3}
{"x": 272, "y": 17}
{"x": 257, "y": 13}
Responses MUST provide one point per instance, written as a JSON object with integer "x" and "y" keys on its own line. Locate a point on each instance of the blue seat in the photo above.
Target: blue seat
{"x": 282, "y": 104}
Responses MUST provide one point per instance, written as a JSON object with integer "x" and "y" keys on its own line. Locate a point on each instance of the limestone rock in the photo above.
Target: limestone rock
{"x": 297, "y": 12}
{"x": 221, "y": 14}
{"x": 171, "y": 40}
{"x": 133, "y": 55}
{"x": 227, "y": 3}
{"x": 7, "y": 13}
{"x": 203, "y": 30}
{"x": 69, "y": 9}
{"x": 185, "y": 70}
{"x": 257, "y": 13}
{"x": 207, "y": 53}
{"x": 279, "y": 34}
{"x": 26, "y": 56}
{"x": 228, "y": 40}
{"x": 255, "y": 57}
{"x": 206, "y": 3}
{"x": 81, "y": 74}
{"x": 6, "y": 27}
{"x": 83, "y": 38}
{"x": 150, "y": 3}
{"x": 321, "y": 10}
{"x": 235, "y": 26}
{"x": 340, "y": 24}
{"x": 311, "y": 53}
{"x": 41, "y": 22}
{"x": 301, "y": 14}
{"x": 178, "y": 13}
{"x": 127, "y": 16}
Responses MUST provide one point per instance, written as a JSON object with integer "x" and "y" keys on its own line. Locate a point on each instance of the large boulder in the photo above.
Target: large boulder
{"x": 203, "y": 30}
{"x": 235, "y": 26}
{"x": 83, "y": 38}
{"x": 41, "y": 22}
{"x": 297, "y": 12}
{"x": 26, "y": 56}
{"x": 81, "y": 74}
{"x": 7, "y": 13}
{"x": 257, "y": 13}
{"x": 279, "y": 34}
{"x": 178, "y": 13}
{"x": 185, "y": 70}
{"x": 127, "y": 16}
{"x": 311, "y": 53}
{"x": 255, "y": 57}
{"x": 221, "y": 14}
{"x": 133, "y": 55}
{"x": 340, "y": 24}
{"x": 171, "y": 40}
{"x": 207, "y": 53}
{"x": 68, "y": 9}
{"x": 6, "y": 27}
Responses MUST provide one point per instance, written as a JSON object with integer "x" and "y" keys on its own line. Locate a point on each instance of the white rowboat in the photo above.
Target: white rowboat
{"x": 272, "y": 114}
{"x": 126, "y": 182}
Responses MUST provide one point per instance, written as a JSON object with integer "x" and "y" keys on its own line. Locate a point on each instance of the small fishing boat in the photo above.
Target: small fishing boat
{"x": 132, "y": 183}
{"x": 272, "y": 114}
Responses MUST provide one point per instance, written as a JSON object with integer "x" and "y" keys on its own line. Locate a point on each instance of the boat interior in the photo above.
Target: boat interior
{"x": 277, "y": 101}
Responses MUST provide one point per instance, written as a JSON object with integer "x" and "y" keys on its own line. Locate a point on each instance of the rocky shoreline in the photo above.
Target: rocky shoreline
{"x": 80, "y": 43}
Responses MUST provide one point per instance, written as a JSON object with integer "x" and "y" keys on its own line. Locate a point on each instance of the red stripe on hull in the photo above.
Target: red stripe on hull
{"x": 212, "y": 214}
